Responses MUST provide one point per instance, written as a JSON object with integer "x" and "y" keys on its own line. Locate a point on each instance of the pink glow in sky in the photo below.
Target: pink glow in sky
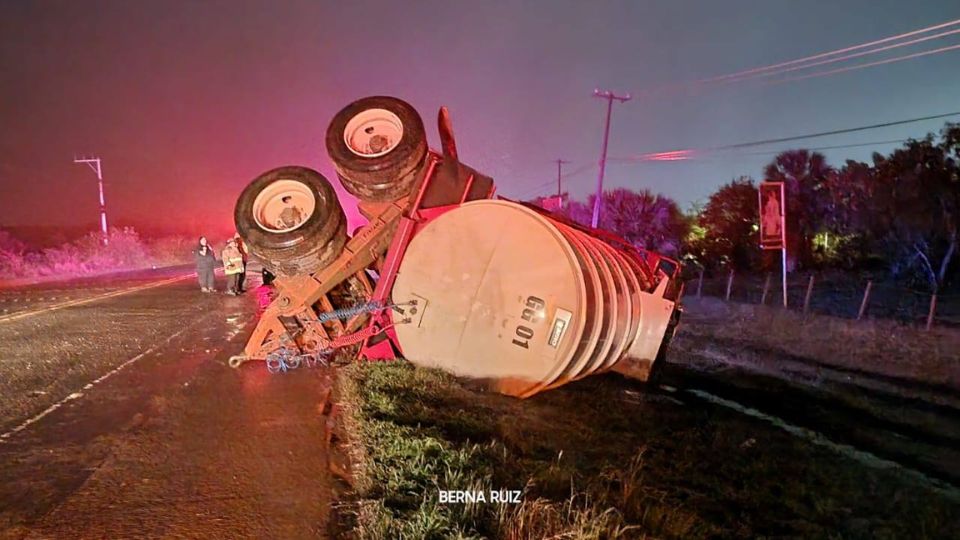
{"x": 186, "y": 102}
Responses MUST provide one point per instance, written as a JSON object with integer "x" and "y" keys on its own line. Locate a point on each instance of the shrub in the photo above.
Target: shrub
{"x": 171, "y": 250}
{"x": 125, "y": 251}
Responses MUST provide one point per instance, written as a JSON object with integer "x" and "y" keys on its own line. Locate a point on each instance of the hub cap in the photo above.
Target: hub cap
{"x": 373, "y": 133}
{"x": 284, "y": 206}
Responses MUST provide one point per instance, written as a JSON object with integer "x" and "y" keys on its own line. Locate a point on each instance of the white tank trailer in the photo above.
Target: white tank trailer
{"x": 498, "y": 291}
{"x": 515, "y": 297}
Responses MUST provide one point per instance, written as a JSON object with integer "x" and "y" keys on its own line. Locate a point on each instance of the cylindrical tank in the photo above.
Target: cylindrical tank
{"x": 515, "y": 298}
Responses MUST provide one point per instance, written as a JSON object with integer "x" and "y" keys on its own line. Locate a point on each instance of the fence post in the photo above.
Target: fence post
{"x": 933, "y": 310}
{"x": 729, "y": 284}
{"x": 806, "y": 299}
{"x": 866, "y": 298}
{"x": 766, "y": 289}
{"x": 700, "y": 284}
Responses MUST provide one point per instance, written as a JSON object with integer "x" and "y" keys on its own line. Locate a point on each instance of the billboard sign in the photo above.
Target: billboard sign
{"x": 773, "y": 216}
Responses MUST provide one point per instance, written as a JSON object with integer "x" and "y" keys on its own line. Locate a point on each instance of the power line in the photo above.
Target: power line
{"x": 535, "y": 189}
{"x": 869, "y": 64}
{"x": 832, "y": 147}
{"x": 575, "y": 172}
{"x": 687, "y": 153}
{"x": 579, "y": 170}
{"x": 829, "y": 57}
{"x": 768, "y": 153}
{"x": 842, "y": 58}
{"x": 841, "y": 131}
{"x": 752, "y": 71}
{"x": 690, "y": 157}
{"x": 817, "y": 59}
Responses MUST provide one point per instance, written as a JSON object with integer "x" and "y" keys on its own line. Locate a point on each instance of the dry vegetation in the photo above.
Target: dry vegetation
{"x": 881, "y": 347}
{"x": 86, "y": 256}
{"x": 601, "y": 458}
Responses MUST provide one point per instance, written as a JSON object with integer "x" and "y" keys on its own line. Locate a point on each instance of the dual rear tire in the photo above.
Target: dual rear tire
{"x": 378, "y": 146}
{"x": 291, "y": 221}
{"x": 290, "y": 218}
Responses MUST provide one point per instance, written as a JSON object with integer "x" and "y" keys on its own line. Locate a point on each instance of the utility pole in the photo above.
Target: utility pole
{"x": 609, "y": 96}
{"x": 94, "y": 164}
{"x": 560, "y": 163}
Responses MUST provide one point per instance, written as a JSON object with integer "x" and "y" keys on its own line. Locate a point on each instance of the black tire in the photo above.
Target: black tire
{"x": 378, "y": 178}
{"x": 659, "y": 364}
{"x": 309, "y": 247}
{"x": 310, "y": 261}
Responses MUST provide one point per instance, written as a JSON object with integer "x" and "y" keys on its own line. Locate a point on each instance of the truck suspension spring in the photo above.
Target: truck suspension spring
{"x": 346, "y": 313}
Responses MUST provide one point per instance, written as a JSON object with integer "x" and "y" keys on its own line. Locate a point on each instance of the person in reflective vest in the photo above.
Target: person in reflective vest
{"x": 242, "y": 277}
{"x": 232, "y": 265}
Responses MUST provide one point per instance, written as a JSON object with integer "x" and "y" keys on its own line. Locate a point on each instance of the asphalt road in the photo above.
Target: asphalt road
{"x": 119, "y": 417}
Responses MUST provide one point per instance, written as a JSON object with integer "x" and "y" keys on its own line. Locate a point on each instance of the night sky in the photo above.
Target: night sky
{"x": 186, "y": 102}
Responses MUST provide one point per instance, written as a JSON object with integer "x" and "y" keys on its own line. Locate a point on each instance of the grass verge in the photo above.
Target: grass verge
{"x": 600, "y": 459}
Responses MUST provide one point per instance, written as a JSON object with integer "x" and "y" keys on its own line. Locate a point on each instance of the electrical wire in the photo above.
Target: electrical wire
{"x": 700, "y": 158}
{"x": 818, "y": 59}
{"x": 833, "y": 147}
{"x": 579, "y": 170}
{"x": 689, "y": 153}
{"x": 869, "y": 64}
{"x": 840, "y": 131}
{"x": 807, "y": 62}
{"x": 847, "y": 57}
{"x": 535, "y": 189}
{"x": 771, "y": 67}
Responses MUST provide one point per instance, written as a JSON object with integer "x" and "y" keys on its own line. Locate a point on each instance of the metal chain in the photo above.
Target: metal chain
{"x": 283, "y": 360}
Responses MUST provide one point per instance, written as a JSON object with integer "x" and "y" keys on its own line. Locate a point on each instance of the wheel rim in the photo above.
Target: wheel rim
{"x": 270, "y": 206}
{"x": 373, "y": 133}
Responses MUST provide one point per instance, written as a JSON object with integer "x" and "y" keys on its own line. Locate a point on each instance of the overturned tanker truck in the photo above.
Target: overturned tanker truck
{"x": 443, "y": 274}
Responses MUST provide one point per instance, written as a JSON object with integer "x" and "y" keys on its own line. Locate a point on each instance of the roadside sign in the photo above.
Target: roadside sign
{"x": 773, "y": 218}
{"x": 553, "y": 204}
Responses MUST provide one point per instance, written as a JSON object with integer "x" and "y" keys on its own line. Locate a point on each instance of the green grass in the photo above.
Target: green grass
{"x": 600, "y": 459}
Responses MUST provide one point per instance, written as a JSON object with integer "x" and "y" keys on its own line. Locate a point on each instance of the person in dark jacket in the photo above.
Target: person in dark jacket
{"x": 206, "y": 262}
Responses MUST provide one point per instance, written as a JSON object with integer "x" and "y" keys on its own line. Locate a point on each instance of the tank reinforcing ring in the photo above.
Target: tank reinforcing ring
{"x": 276, "y": 197}
{"x": 373, "y": 133}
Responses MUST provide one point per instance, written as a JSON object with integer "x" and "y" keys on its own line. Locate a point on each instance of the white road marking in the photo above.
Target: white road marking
{"x": 866, "y": 458}
{"x": 76, "y": 395}
{"x": 22, "y": 315}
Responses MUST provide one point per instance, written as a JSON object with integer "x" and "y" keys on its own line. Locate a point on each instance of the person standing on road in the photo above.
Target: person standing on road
{"x": 242, "y": 276}
{"x": 232, "y": 265}
{"x": 206, "y": 262}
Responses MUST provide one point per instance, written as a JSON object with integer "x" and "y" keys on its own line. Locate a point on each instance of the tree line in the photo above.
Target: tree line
{"x": 897, "y": 215}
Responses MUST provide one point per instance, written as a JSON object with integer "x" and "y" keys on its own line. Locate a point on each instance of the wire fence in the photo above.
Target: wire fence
{"x": 838, "y": 296}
